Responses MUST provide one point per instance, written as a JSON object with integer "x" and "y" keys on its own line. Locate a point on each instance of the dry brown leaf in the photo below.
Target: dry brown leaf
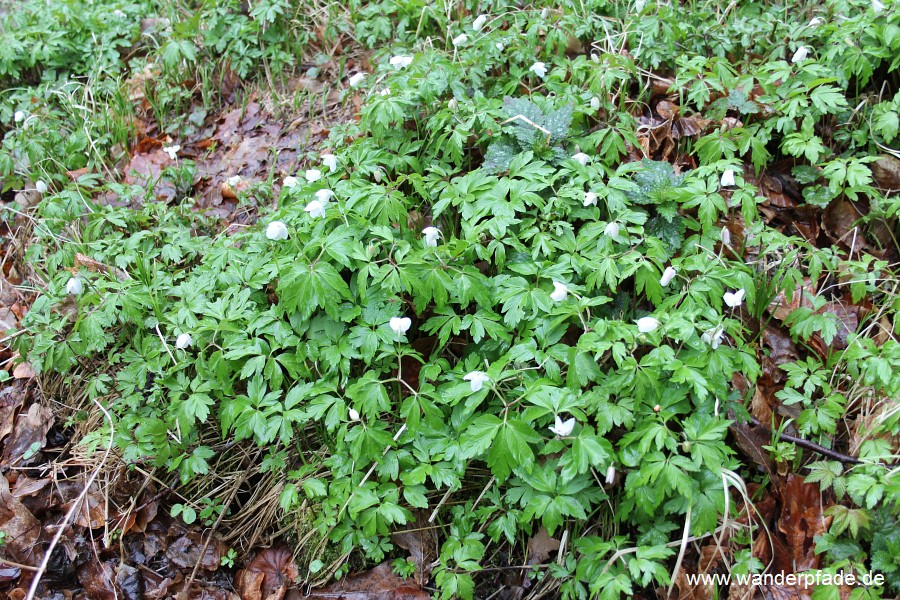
{"x": 886, "y": 172}
{"x": 29, "y": 435}
{"x": 381, "y": 583}
{"x": 22, "y": 529}
{"x": 185, "y": 551}
{"x": 267, "y": 576}
{"x": 541, "y": 547}
{"x": 802, "y": 520}
{"x": 421, "y": 544}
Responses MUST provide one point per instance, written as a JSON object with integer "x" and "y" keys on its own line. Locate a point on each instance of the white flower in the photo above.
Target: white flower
{"x": 313, "y": 175}
{"x": 639, "y": 5}
{"x": 610, "y": 474}
{"x": 800, "y": 55}
{"x": 40, "y": 186}
{"x": 726, "y": 236}
{"x": 560, "y": 291}
{"x": 563, "y": 428}
{"x": 276, "y": 230}
{"x": 233, "y": 181}
{"x": 727, "y": 178}
{"x": 330, "y": 161}
{"x": 539, "y": 69}
{"x": 590, "y": 199}
{"x": 74, "y": 286}
{"x": 19, "y": 116}
{"x": 400, "y": 325}
{"x": 478, "y": 23}
{"x": 385, "y": 92}
{"x": 377, "y": 175}
{"x": 184, "y": 341}
{"x": 612, "y": 229}
{"x": 316, "y": 209}
{"x": 476, "y": 380}
{"x": 734, "y": 299}
{"x": 353, "y": 414}
{"x": 713, "y": 336}
{"x": 453, "y": 104}
{"x": 431, "y": 236}
{"x": 545, "y": 13}
{"x": 581, "y": 158}
{"x": 356, "y": 79}
{"x": 460, "y": 40}
{"x": 289, "y": 182}
{"x": 667, "y": 276}
{"x": 647, "y": 324}
{"x": 815, "y": 22}
{"x": 499, "y": 46}
{"x": 877, "y": 6}
{"x": 595, "y": 57}
{"x": 172, "y": 151}
{"x": 595, "y": 103}
{"x": 324, "y": 195}
{"x": 401, "y": 62}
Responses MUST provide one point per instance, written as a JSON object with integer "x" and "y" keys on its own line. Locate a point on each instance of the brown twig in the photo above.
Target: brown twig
{"x": 833, "y": 454}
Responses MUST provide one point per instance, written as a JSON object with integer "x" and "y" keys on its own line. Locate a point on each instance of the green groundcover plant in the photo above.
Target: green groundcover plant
{"x": 474, "y": 291}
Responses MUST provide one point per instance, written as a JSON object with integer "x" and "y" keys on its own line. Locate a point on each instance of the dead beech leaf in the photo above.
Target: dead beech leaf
{"x": 781, "y": 350}
{"x": 886, "y": 172}
{"x": 92, "y": 512}
{"x": 750, "y": 440}
{"x": 11, "y": 398}
{"x": 381, "y": 583}
{"x": 21, "y": 527}
{"x": 29, "y": 435}
{"x": 185, "y": 551}
{"x": 23, "y": 370}
{"x": 848, "y": 321}
{"x": 421, "y": 545}
{"x": 98, "y": 580}
{"x": 541, "y": 547}
{"x": 802, "y": 520}
{"x": 267, "y": 576}
{"x": 95, "y": 266}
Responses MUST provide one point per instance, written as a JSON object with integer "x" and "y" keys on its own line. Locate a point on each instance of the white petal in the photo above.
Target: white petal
{"x": 539, "y": 69}
{"x": 647, "y": 324}
{"x": 612, "y": 230}
{"x": 581, "y": 158}
{"x": 667, "y": 276}
{"x": 727, "y": 179}
{"x": 610, "y": 474}
{"x": 74, "y": 286}
{"x": 233, "y": 181}
{"x": 800, "y": 55}
{"x": 289, "y": 182}
{"x": 276, "y": 230}
{"x": 595, "y": 103}
{"x": 316, "y": 209}
{"x": 40, "y": 186}
{"x": 401, "y": 62}
{"x": 877, "y": 7}
{"x": 356, "y": 79}
{"x": 184, "y": 341}
{"x": 353, "y": 414}
{"x": 330, "y": 161}
{"x": 499, "y": 46}
{"x": 590, "y": 199}
{"x": 460, "y": 39}
{"x": 431, "y": 236}
{"x": 400, "y": 325}
{"x": 172, "y": 151}
{"x": 560, "y": 291}
{"x": 476, "y": 380}
{"x": 725, "y": 236}
{"x": 815, "y": 22}
{"x": 478, "y": 23}
{"x": 563, "y": 428}
{"x": 734, "y": 299}
{"x": 313, "y": 175}
{"x": 324, "y": 195}
{"x": 19, "y": 116}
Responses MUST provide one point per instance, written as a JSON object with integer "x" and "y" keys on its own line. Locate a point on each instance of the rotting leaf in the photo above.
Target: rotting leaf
{"x": 541, "y": 546}
{"x": 185, "y": 551}
{"x": 421, "y": 544}
{"x": 267, "y": 576}
{"x": 381, "y": 583}
{"x": 22, "y": 529}
{"x": 30, "y": 429}
{"x": 802, "y": 520}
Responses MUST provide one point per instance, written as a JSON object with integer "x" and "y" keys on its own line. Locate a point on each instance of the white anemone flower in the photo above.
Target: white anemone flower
{"x": 479, "y": 22}
{"x": 400, "y": 325}
{"x": 74, "y": 286}
{"x": 453, "y": 104}
{"x": 639, "y": 6}
{"x": 563, "y": 428}
{"x": 289, "y": 182}
{"x": 277, "y": 230}
{"x": 233, "y": 181}
{"x": 324, "y": 195}
{"x": 431, "y": 236}
{"x": 460, "y": 40}
{"x": 19, "y": 116}
{"x": 476, "y": 380}
{"x": 595, "y": 103}
{"x": 581, "y": 158}
{"x": 610, "y": 474}
{"x": 499, "y": 46}
{"x": 612, "y": 229}
{"x": 877, "y": 7}
{"x": 815, "y": 22}
{"x": 727, "y": 178}
{"x": 356, "y": 79}
{"x": 590, "y": 199}
{"x": 313, "y": 175}
{"x": 725, "y": 236}
{"x": 713, "y": 337}
{"x": 734, "y": 299}
{"x": 353, "y": 414}
{"x": 667, "y": 276}
{"x": 40, "y": 186}
{"x": 184, "y": 341}
{"x": 385, "y": 92}
{"x": 539, "y": 69}
{"x": 800, "y": 55}
{"x": 316, "y": 209}
{"x": 172, "y": 151}
{"x": 401, "y": 62}
{"x": 330, "y": 161}
{"x": 560, "y": 291}
{"x": 647, "y": 324}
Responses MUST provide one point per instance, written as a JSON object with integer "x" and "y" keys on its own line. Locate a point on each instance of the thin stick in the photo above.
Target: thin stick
{"x": 71, "y": 512}
{"x": 834, "y": 454}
